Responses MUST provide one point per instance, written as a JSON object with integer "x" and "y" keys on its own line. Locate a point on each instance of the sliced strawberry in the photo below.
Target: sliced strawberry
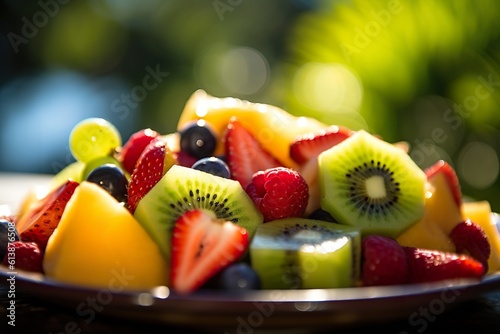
{"x": 25, "y": 255}
{"x": 203, "y": 245}
{"x": 443, "y": 168}
{"x": 132, "y": 150}
{"x": 310, "y": 145}
{"x": 245, "y": 155}
{"x": 41, "y": 219}
{"x": 469, "y": 238}
{"x": 154, "y": 162}
{"x": 431, "y": 265}
{"x": 383, "y": 261}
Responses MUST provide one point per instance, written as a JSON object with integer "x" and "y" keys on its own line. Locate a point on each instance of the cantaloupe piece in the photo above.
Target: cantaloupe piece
{"x": 441, "y": 215}
{"x": 480, "y": 213}
{"x": 98, "y": 243}
{"x": 273, "y": 127}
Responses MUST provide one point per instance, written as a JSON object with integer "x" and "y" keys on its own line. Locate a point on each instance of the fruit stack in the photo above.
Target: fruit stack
{"x": 247, "y": 196}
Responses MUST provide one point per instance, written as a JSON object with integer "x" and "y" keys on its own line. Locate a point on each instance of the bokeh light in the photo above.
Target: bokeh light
{"x": 38, "y": 113}
{"x": 429, "y": 72}
{"x": 478, "y": 165}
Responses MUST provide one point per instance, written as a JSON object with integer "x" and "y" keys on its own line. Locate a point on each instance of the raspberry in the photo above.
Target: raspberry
{"x": 469, "y": 238}
{"x": 279, "y": 192}
{"x": 24, "y": 255}
{"x": 384, "y": 261}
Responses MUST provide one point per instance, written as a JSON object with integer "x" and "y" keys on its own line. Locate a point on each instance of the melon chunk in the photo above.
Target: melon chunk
{"x": 441, "y": 215}
{"x": 480, "y": 213}
{"x": 273, "y": 127}
{"x": 98, "y": 243}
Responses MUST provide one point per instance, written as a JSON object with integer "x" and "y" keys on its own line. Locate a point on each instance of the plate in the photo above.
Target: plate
{"x": 259, "y": 310}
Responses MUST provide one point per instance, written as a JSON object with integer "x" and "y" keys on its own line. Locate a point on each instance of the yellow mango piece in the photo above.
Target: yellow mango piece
{"x": 98, "y": 243}
{"x": 273, "y": 127}
{"x": 480, "y": 213}
{"x": 440, "y": 217}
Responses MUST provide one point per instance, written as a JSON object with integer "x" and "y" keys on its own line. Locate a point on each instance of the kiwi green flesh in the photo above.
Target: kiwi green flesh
{"x": 369, "y": 183}
{"x": 300, "y": 253}
{"x": 182, "y": 189}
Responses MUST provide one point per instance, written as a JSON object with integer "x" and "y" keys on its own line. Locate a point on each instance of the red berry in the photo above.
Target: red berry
{"x": 202, "y": 246}
{"x": 41, "y": 220}
{"x": 245, "y": 156}
{"x": 469, "y": 238}
{"x": 154, "y": 162}
{"x": 442, "y": 167}
{"x": 134, "y": 146}
{"x": 310, "y": 145}
{"x": 431, "y": 265}
{"x": 25, "y": 255}
{"x": 383, "y": 261}
{"x": 184, "y": 159}
{"x": 279, "y": 192}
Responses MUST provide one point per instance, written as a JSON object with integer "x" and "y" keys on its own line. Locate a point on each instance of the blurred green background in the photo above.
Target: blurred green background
{"x": 426, "y": 72}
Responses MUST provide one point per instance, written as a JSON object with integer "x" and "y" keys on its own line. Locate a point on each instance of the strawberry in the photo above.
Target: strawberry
{"x": 383, "y": 261}
{"x": 444, "y": 168}
{"x": 245, "y": 155}
{"x": 310, "y": 145}
{"x": 427, "y": 265}
{"x": 24, "y": 255}
{"x": 469, "y": 238}
{"x": 134, "y": 146}
{"x": 41, "y": 219}
{"x": 202, "y": 246}
{"x": 155, "y": 160}
{"x": 184, "y": 159}
{"x": 279, "y": 192}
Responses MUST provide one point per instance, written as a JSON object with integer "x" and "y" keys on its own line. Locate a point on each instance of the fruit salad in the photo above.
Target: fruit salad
{"x": 246, "y": 196}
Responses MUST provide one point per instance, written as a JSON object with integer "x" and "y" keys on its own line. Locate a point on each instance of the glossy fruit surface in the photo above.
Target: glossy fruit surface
{"x": 213, "y": 165}
{"x": 42, "y": 218}
{"x": 273, "y": 127}
{"x": 155, "y": 160}
{"x": 98, "y": 243}
{"x": 93, "y": 138}
{"x": 245, "y": 155}
{"x": 383, "y": 261}
{"x": 480, "y": 213}
{"x": 198, "y": 139}
{"x": 202, "y": 245}
{"x": 239, "y": 277}
{"x": 25, "y": 255}
{"x": 112, "y": 179}
{"x": 133, "y": 147}
{"x": 279, "y": 193}
{"x": 441, "y": 215}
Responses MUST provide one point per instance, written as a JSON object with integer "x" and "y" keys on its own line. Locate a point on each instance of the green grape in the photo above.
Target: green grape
{"x": 93, "y": 138}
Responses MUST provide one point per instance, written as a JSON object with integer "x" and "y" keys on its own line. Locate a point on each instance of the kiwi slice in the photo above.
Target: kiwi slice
{"x": 182, "y": 189}
{"x": 372, "y": 184}
{"x": 301, "y": 253}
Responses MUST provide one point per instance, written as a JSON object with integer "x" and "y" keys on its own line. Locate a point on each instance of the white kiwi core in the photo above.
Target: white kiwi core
{"x": 375, "y": 187}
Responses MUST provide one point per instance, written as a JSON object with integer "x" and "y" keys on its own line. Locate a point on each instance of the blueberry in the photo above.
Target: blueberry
{"x": 112, "y": 179}
{"x": 239, "y": 276}
{"x": 213, "y": 166}
{"x": 323, "y": 215}
{"x": 198, "y": 140}
{"x": 8, "y": 233}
